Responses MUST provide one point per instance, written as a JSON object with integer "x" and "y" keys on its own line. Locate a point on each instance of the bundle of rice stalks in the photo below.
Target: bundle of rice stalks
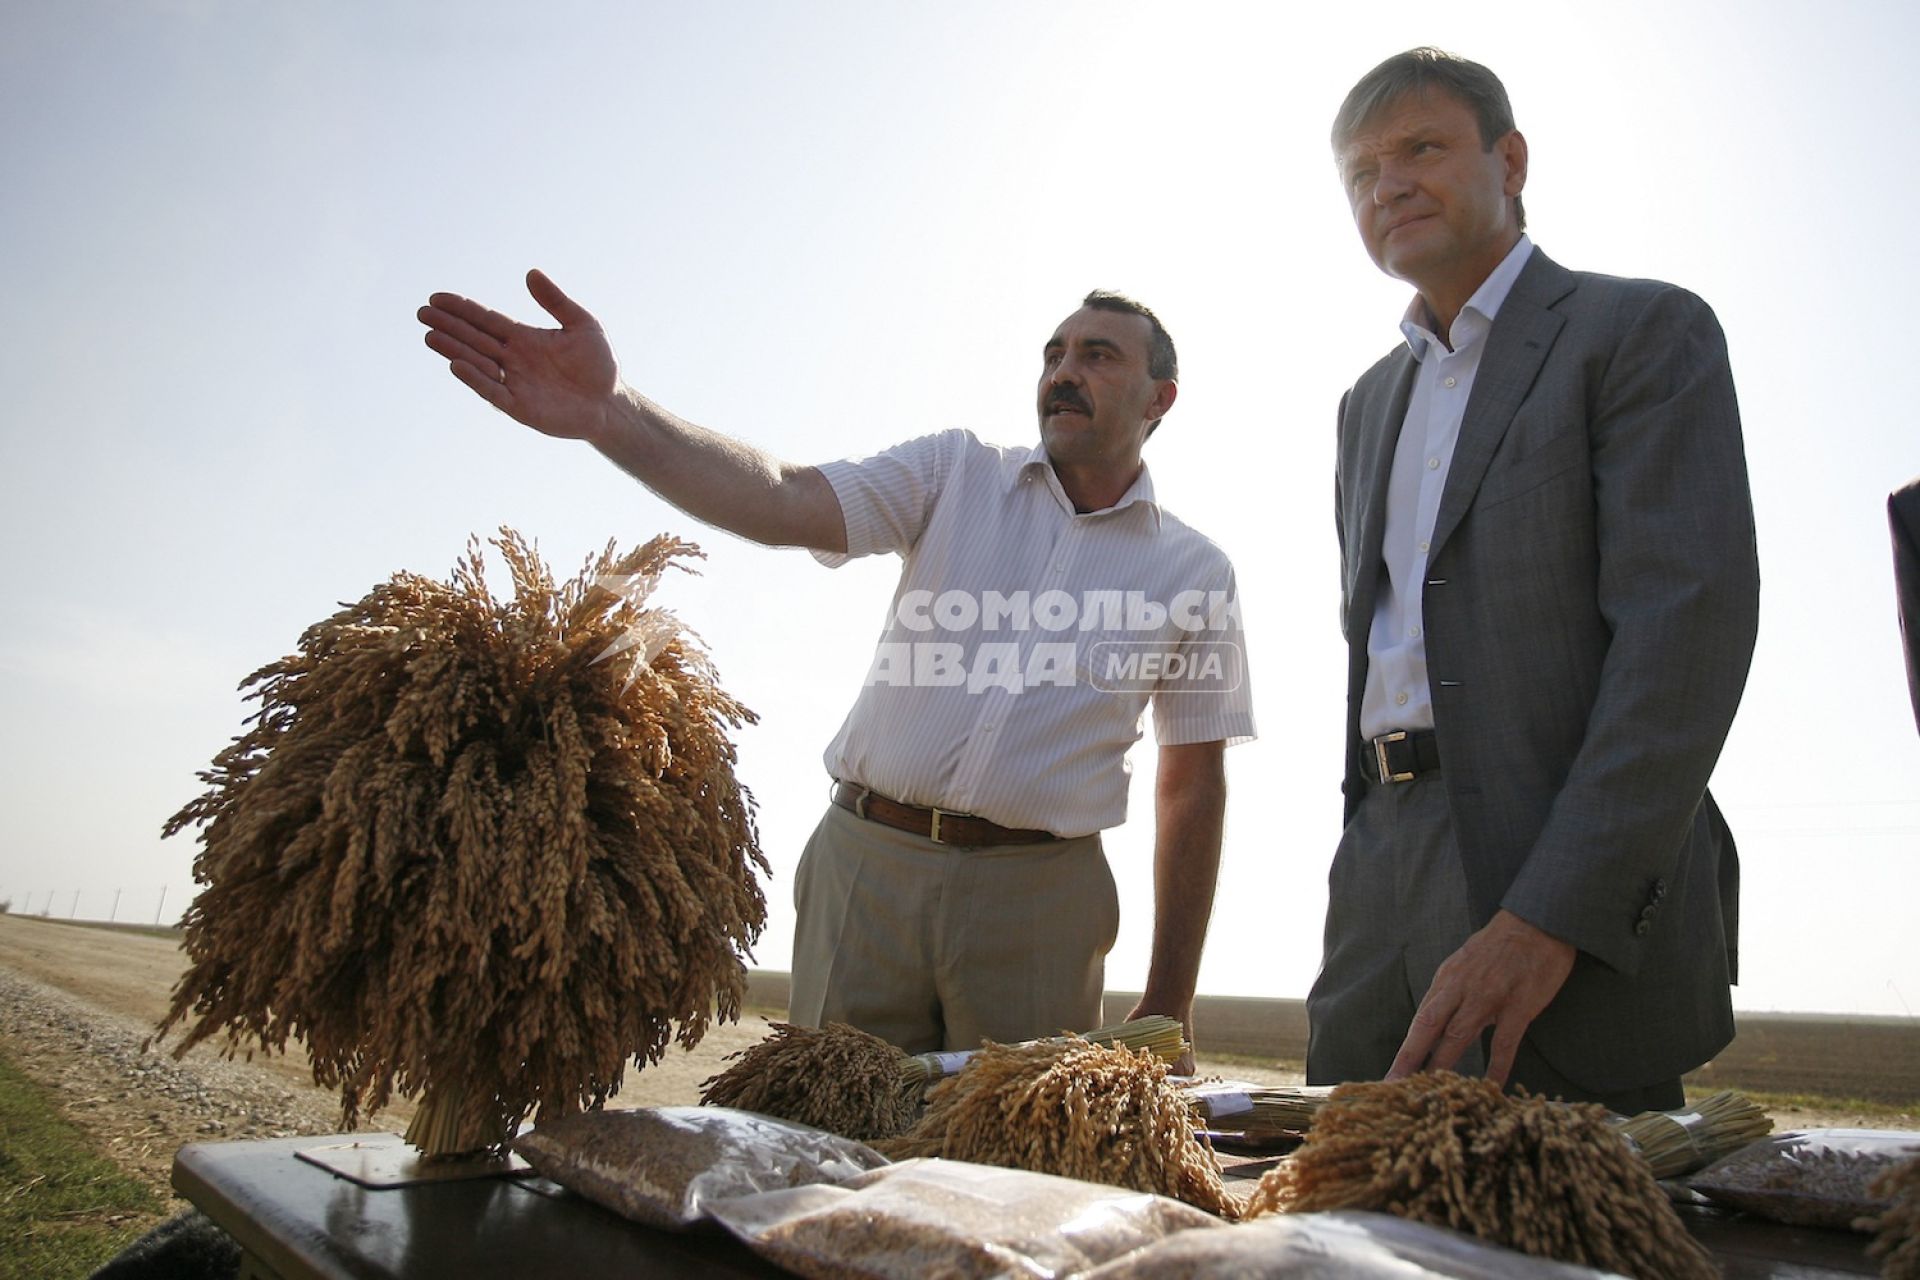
{"x": 1073, "y": 1109}
{"x": 476, "y": 851}
{"x": 1155, "y": 1033}
{"x": 848, "y": 1082}
{"x": 835, "y": 1077}
{"x": 1671, "y": 1142}
{"x": 1550, "y": 1179}
{"x": 1259, "y": 1111}
{"x": 1689, "y": 1138}
{"x": 1897, "y": 1230}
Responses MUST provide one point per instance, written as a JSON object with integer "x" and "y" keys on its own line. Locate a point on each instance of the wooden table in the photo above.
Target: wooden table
{"x": 298, "y": 1221}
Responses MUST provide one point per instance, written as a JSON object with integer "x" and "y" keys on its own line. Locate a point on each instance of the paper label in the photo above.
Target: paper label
{"x": 1221, "y": 1105}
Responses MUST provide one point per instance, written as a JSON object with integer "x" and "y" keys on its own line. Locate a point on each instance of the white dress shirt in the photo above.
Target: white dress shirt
{"x": 1025, "y": 640}
{"x": 1397, "y": 695}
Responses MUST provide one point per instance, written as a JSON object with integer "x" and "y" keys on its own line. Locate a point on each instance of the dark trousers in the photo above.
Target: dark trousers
{"x": 1397, "y": 907}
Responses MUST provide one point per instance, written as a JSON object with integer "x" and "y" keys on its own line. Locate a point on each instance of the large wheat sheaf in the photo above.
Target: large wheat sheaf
{"x": 478, "y": 852}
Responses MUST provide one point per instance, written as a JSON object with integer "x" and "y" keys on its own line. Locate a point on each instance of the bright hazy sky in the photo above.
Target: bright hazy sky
{"x": 825, "y": 228}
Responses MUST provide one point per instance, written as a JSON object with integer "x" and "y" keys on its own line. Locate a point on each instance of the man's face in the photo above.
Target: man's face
{"x": 1096, "y": 396}
{"x": 1434, "y": 207}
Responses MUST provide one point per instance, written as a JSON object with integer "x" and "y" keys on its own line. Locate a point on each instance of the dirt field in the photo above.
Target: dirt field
{"x": 76, "y": 1003}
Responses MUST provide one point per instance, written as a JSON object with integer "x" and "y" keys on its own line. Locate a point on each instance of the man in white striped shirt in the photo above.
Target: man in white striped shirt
{"x": 956, "y": 890}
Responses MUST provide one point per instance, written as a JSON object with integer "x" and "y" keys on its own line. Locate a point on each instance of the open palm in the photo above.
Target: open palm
{"x": 557, "y": 381}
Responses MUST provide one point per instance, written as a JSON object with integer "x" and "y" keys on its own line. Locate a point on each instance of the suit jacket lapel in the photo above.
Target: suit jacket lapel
{"x": 1517, "y": 345}
{"x": 1379, "y": 435}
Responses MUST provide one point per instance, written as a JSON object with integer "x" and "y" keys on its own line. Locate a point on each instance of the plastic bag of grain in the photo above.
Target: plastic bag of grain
{"x": 664, "y": 1165}
{"x": 1343, "y": 1245}
{"x": 1809, "y": 1178}
{"x": 948, "y": 1218}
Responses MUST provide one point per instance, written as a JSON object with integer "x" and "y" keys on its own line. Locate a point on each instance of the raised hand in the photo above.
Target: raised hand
{"x": 557, "y": 381}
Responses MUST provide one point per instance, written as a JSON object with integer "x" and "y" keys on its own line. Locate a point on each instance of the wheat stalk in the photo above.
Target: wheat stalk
{"x": 1688, "y": 1138}
{"x": 1155, "y": 1033}
{"x": 1259, "y": 1111}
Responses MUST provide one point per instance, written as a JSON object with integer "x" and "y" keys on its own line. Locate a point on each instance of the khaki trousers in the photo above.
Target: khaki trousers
{"x": 933, "y": 946}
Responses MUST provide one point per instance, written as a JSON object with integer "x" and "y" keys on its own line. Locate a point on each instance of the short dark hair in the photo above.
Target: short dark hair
{"x": 1419, "y": 71}
{"x": 1162, "y": 362}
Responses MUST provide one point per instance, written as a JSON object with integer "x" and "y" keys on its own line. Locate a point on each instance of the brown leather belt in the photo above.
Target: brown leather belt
{"x": 937, "y": 825}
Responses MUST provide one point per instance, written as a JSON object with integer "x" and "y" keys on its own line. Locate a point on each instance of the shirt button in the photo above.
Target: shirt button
{"x": 1433, "y": 464}
{"x": 1452, "y": 381}
{"x": 1413, "y": 633}
{"x": 1423, "y": 546}
{"x": 1399, "y": 699}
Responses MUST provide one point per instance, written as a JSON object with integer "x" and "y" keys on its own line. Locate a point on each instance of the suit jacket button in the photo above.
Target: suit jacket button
{"x": 1659, "y": 890}
{"x": 1644, "y": 928}
{"x": 1646, "y": 912}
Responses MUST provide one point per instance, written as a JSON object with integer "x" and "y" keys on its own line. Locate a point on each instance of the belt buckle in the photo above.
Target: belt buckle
{"x": 934, "y": 833}
{"x": 1380, "y": 745}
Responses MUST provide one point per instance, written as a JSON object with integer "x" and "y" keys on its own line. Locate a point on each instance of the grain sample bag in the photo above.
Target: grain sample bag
{"x": 1809, "y": 1178}
{"x": 954, "y": 1220}
{"x": 664, "y": 1165}
{"x": 1897, "y": 1230}
{"x": 1344, "y": 1245}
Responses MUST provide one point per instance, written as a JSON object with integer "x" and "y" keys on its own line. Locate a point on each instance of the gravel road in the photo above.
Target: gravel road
{"x": 142, "y": 1104}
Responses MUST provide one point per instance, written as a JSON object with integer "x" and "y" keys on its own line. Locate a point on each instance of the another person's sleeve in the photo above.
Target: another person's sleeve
{"x": 1903, "y": 513}
{"x": 1207, "y": 697}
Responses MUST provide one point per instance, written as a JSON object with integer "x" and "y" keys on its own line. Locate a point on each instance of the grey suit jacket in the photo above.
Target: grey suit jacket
{"x": 1903, "y": 515}
{"x": 1591, "y": 606}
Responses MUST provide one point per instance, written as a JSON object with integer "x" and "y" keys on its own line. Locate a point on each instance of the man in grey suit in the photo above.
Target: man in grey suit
{"x": 1550, "y": 596}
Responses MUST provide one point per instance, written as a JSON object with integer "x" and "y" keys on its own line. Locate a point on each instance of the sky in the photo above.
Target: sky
{"x": 825, "y": 228}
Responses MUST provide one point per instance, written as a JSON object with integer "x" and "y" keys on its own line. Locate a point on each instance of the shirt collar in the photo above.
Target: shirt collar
{"x": 1035, "y": 467}
{"x": 1478, "y": 315}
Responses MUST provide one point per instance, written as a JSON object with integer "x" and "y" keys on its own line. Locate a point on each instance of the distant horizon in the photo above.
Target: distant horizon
{"x": 1111, "y": 995}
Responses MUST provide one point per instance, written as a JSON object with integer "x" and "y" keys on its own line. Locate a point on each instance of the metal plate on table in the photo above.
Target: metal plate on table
{"x": 382, "y": 1160}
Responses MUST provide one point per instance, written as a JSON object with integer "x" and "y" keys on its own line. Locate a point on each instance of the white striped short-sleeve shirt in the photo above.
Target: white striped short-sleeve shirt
{"x": 1025, "y": 640}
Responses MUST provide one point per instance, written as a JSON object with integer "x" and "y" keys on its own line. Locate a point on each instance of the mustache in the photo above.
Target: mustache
{"x": 1067, "y": 397}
